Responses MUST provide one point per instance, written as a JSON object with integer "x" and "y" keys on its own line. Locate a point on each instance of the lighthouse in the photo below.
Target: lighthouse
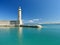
{"x": 20, "y": 23}
{"x": 20, "y": 16}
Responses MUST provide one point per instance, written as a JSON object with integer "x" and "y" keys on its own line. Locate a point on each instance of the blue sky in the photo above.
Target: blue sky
{"x": 32, "y": 10}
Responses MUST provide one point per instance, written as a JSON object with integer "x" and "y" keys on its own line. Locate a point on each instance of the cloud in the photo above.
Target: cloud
{"x": 36, "y": 19}
{"x": 30, "y": 21}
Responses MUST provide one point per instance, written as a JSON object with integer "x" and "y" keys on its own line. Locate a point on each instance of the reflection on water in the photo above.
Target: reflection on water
{"x": 39, "y": 29}
{"x": 4, "y": 28}
{"x": 20, "y": 31}
{"x": 16, "y": 35}
{"x": 4, "y": 31}
{"x": 10, "y": 35}
{"x": 30, "y": 36}
{"x": 20, "y": 35}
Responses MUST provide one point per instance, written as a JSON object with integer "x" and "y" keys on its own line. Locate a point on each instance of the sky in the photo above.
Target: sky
{"x": 33, "y": 11}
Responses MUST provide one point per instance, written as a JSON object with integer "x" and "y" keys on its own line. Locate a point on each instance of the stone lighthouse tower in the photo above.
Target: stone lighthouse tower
{"x": 19, "y": 16}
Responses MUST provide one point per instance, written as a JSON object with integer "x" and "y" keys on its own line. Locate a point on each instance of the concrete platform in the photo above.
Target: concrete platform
{"x": 34, "y": 26}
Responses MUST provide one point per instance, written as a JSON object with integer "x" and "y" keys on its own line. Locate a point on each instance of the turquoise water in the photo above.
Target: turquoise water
{"x": 48, "y": 35}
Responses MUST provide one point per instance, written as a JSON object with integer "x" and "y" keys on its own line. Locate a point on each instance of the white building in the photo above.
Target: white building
{"x": 20, "y": 16}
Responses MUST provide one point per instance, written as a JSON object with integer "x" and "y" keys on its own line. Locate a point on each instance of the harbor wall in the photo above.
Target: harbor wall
{"x": 8, "y": 23}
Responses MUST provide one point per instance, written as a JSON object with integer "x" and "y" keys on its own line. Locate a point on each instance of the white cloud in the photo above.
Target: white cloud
{"x": 36, "y": 19}
{"x": 30, "y": 21}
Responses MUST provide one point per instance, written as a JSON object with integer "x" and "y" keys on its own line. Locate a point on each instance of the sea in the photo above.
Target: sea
{"x": 48, "y": 35}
